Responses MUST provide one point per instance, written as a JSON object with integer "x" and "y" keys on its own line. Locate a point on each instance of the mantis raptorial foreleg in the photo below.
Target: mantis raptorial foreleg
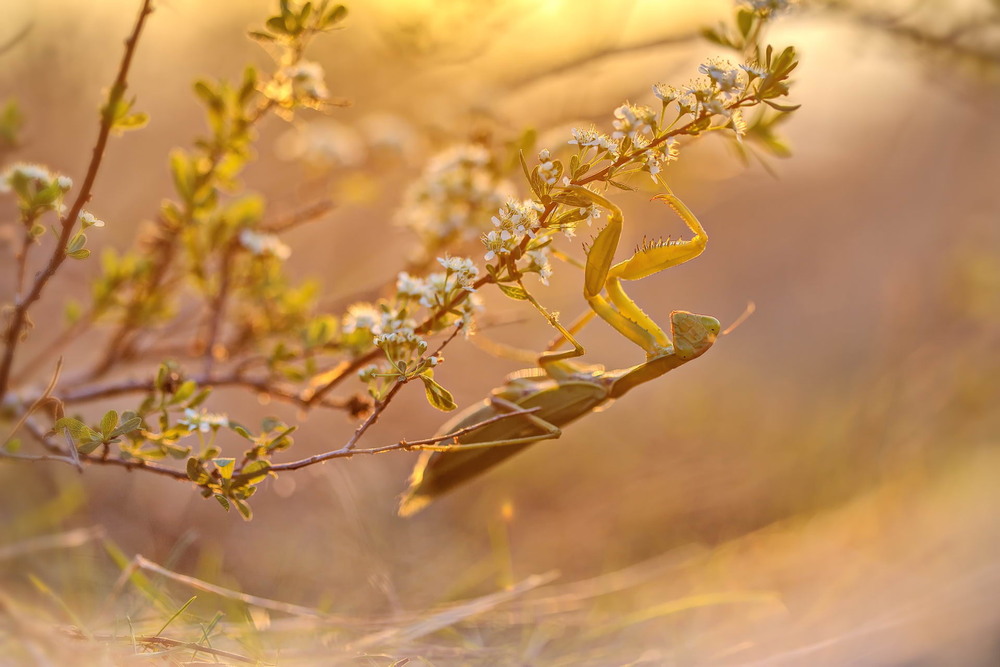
{"x": 600, "y": 274}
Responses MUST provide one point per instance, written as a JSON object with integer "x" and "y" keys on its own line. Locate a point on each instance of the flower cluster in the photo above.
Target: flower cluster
{"x": 592, "y": 138}
{"x": 37, "y": 189}
{"x": 440, "y": 291}
{"x": 453, "y": 198}
{"x": 298, "y": 84}
{"x": 515, "y": 220}
{"x": 263, "y": 245}
{"x": 203, "y": 421}
{"x": 767, "y": 8}
{"x": 633, "y": 121}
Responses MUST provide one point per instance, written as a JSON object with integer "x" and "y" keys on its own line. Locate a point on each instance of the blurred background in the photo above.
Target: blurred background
{"x": 821, "y": 488}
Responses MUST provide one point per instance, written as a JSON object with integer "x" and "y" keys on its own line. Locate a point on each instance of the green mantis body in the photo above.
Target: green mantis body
{"x": 561, "y": 391}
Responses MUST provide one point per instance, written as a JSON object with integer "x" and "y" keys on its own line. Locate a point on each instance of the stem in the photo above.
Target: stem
{"x": 217, "y": 307}
{"x": 58, "y": 256}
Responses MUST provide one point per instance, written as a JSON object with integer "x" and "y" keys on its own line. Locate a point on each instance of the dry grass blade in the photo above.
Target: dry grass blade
{"x": 67, "y": 540}
{"x": 455, "y": 614}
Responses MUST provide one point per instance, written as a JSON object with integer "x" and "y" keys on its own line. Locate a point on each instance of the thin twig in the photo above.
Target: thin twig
{"x": 234, "y": 379}
{"x": 306, "y": 214}
{"x": 68, "y": 223}
{"x": 403, "y": 445}
{"x": 217, "y": 307}
{"x": 36, "y": 403}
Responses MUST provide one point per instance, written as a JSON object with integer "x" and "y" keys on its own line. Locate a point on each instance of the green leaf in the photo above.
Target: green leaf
{"x": 254, "y": 472}
{"x": 261, "y": 36}
{"x": 133, "y": 121}
{"x": 437, "y": 396}
{"x": 335, "y": 15}
{"x": 185, "y": 391}
{"x": 76, "y": 243}
{"x": 744, "y": 21}
{"x": 225, "y": 466}
{"x": 244, "y": 509}
{"x": 183, "y": 174}
{"x": 787, "y": 108}
{"x": 513, "y": 291}
{"x": 79, "y": 254}
{"x": 196, "y": 471}
{"x": 88, "y": 447}
{"x": 127, "y": 426}
{"x": 223, "y": 501}
{"x": 276, "y": 24}
{"x": 77, "y": 430}
{"x": 108, "y": 423}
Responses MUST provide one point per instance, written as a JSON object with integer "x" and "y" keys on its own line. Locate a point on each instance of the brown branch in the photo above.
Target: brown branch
{"x": 235, "y": 379}
{"x": 20, "y": 315}
{"x": 403, "y": 445}
{"x": 304, "y": 215}
{"x": 217, "y": 307}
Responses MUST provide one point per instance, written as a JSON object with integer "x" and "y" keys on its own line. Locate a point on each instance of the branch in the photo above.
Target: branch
{"x": 429, "y": 444}
{"x": 20, "y": 315}
{"x": 234, "y": 379}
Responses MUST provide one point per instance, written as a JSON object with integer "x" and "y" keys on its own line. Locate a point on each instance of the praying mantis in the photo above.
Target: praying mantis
{"x": 560, "y": 391}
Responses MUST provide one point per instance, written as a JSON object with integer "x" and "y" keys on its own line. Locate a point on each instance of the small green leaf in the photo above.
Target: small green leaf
{"x": 255, "y": 472}
{"x": 79, "y": 254}
{"x": 261, "y": 36}
{"x": 243, "y": 508}
{"x": 225, "y": 467}
{"x": 744, "y": 21}
{"x": 185, "y": 391}
{"x": 76, "y": 243}
{"x": 108, "y": 423}
{"x": 133, "y": 121}
{"x": 437, "y": 396}
{"x": 196, "y": 471}
{"x": 276, "y": 24}
{"x": 787, "y": 108}
{"x": 223, "y": 501}
{"x": 127, "y": 426}
{"x": 335, "y": 15}
{"x": 80, "y": 432}
{"x": 88, "y": 447}
{"x": 513, "y": 291}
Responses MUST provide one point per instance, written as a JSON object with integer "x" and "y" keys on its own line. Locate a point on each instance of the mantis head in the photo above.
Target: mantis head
{"x": 692, "y": 334}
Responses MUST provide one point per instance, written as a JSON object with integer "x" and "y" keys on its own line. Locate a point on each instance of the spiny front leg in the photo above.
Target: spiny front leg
{"x": 618, "y": 309}
{"x": 655, "y": 257}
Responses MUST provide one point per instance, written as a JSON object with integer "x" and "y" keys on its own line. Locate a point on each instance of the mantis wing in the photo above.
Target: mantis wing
{"x": 438, "y": 472}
